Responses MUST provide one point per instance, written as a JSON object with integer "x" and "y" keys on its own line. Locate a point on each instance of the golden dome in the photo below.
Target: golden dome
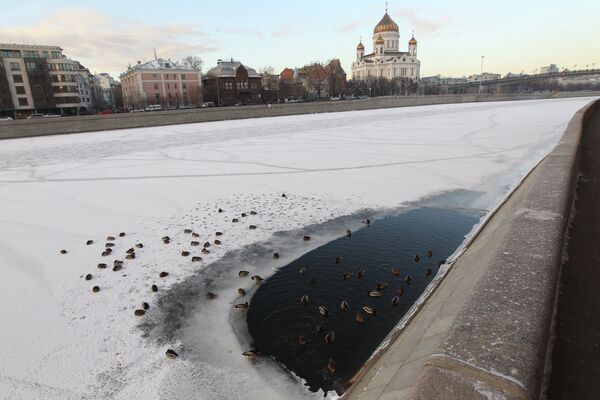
{"x": 380, "y": 40}
{"x": 386, "y": 24}
{"x": 360, "y": 46}
{"x": 412, "y": 41}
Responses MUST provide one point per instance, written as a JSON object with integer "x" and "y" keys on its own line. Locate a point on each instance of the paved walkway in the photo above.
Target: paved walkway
{"x": 576, "y": 356}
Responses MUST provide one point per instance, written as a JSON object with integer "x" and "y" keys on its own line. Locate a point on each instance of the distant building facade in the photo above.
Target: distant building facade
{"x": 549, "y": 69}
{"x": 163, "y": 82}
{"x": 313, "y": 81}
{"x": 35, "y": 78}
{"x": 232, "y": 83}
{"x": 486, "y": 76}
{"x": 386, "y": 60}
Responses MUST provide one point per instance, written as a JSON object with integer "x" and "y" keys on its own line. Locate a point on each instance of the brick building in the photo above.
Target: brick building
{"x": 232, "y": 83}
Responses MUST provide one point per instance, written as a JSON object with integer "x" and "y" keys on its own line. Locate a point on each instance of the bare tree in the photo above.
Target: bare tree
{"x": 194, "y": 62}
{"x": 267, "y": 70}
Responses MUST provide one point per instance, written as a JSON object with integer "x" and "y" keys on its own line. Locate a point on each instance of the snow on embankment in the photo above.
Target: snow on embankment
{"x": 60, "y": 340}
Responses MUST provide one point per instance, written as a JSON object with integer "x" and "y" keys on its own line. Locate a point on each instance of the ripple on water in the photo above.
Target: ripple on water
{"x": 276, "y": 317}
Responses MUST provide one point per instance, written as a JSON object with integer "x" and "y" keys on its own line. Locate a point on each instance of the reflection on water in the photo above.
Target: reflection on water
{"x": 277, "y": 318}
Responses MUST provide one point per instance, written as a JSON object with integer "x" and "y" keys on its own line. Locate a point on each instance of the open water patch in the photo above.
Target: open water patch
{"x": 294, "y": 333}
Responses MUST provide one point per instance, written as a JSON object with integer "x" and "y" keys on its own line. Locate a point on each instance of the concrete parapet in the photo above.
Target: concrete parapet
{"x": 65, "y": 125}
{"x": 483, "y": 333}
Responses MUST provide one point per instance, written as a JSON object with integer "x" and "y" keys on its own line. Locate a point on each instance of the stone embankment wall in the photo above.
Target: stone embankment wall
{"x": 90, "y": 123}
{"x": 484, "y": 332}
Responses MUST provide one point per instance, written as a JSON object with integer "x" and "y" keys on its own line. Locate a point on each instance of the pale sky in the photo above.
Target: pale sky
{"x": 513, "y": 36}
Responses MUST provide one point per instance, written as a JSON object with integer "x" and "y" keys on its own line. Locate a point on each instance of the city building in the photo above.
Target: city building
{"x": 85, "y": 85}
{"x": 386, "y": 60}
{"x": 160, "y": 81}
{"x": 549, "y": 69}
{"x": 232, "y": 83}
{"x": 37, "y": 79}
{"x": 486, "y": 76}
{"x": 313, "y": 81}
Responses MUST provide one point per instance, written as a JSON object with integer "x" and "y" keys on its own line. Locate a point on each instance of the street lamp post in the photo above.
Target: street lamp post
{"x": 481, "y": 74}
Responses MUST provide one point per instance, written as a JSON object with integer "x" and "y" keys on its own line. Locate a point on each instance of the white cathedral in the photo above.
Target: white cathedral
{"x": 386, "y": 60}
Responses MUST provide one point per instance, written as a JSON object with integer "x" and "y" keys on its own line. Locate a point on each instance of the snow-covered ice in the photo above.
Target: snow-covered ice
{"x": 59, "y": 340}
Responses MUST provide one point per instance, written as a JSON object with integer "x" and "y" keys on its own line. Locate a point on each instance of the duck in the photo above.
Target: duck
{"x": 320, "y": 326}
{"x": 130, "y": 256}
{"x": 395, "y": 271}
{"x": 367, "y": 221}
{"x": 252, "y": 227}
{"x": 139, "y": 312}
{"x": 217, "y": 242}
{"x": 210, "y": 295}
{"x": 196, "y": 258}
{"x": 139, "y": 245}
{"x": 235, "y": 220}
{"x": 257, "y": 279}
{"x": 206, "y": 245}
{"x": 195, "y": 235}
{"x": 241, "y": 306}
{"x": 194, "y": 243}
{"x": 163, "y": 274}
{"x": 187, "y": 231}
{"x": 348, "y": 232}
{"x": 154, "y": 288}
{"x": 218, "y": 233}
{"x": 102, "y": 266}
{"x": 89, "y": 242}
{"x": 109, "y": 244}
{"x": 302, "y": 270}
{"x": 243, "y": 274}
{"x": 428, "y": 272}
{"x": 381, "y": 285}
{"x": 96, "y": 289}
{"x": 344, "y": 306}
{"x": 145, "y": 305}
{"x": 374, "y": 293}
{"x": 110, "y": 238}
{"x": 244, "y": 214}
{"x": 323, "y": 311}
{"x": 284, "y": 195}
{"x": 338, "y": 259}
{"x": 360, "y": 274}
{"x": 304, "y": 299}
{"x": 106, "y": 252}
{"x": 417, "y": 258}
{"x": 241, "y": 292}
{"x": 275, "y": 256}
{"x": 220, "y": 210}
{"x": 370, "y": 310}
{"x": 205, "y": 251}
{"x": 301, "y": 340}
{"x": 121, "y": 234}
{"x": 400, "y": 291}
{"x": 118, "y": 262}
{"x": 395, "y": 301}
{"x": 88, "y": 277}
{"x": 330, "y": 337}
{"x": 359, "y": 318}
{"x": 408, "y": 279}
{"x": 185, "y": 253}
{"x": 170, "y": 353}
{"x": 429, "y": 253}
{"x": 347, "y": 275}
{"x": 306, "y": 238}
{"x": 331, "y": 367}
{"x": 117, "y": 267}
{"x": 166, "y": 239}
{"x": 253, "y": 212}
{"x": 251, "y": 353}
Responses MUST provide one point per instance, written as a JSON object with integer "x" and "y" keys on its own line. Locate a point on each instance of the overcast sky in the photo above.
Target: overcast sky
{"x": 513, "y": 35}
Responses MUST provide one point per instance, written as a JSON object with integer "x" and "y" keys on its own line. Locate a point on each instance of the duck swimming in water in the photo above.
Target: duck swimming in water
{"x": 257, "y": 279}
{"x": 360, "y": 274}
{"x": 89, "y": 242}
{"x": 253, "y": 213}
{"x": 320, "y": 326}
{"x": 210, "y": 295}
{"x": 196, "y": 259}
{"x": 130, "y": 250}
{"x": 194, "y": 243}
{"x": 217, "y": 242}
{"x": 331, "y": 367}
{"x": 400, "y": 291}
{"x": 408, "y": 279}
{"x": 374, "y": 293}
{"x": 139, "y": 312}
{"x": 185, "y": 253}
{"x": 241, "y": 292}
{"x": 163, "y": 274}
{"x": 218, "y": 233}
{"x": 359, "y": 318}
{"x": 395, "y": 301}
{"x": 428, "y": 272}
{"x": 304, "y": 299}
{"x": 243, "y": 274}
{"x": 275, "y": 256}
{"x": 344, "y": 306}
{"x": 323, "y": 311}
{"x": 188, "y": 231}
{"x": 417, "y": 258}
{"x": 370, "y": 310}
{"x": 338, "y": 259}
{"x": 88, "y": 277}
{"x": 205, "y": 251}
{"x": 170, "y": 353}
{"x": 382, "y": 285}
{"x": 145, "y": 305}
{"x": 301, "y": 340}
{"x": 330, "y": 337}
{"x": 347, "y": 275}
{"x": 110, "y": 238}
{"x": 154, "y": 288}
{"x": 241, "y": 306}
{"x": 429, "y": 253}
{"x": 396, "y": 271}
{"x": 348, "y": 232}
{"x": 302, "y": 270}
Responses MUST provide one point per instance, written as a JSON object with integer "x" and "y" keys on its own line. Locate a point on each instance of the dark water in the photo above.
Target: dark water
{"x": 276, "y": 317}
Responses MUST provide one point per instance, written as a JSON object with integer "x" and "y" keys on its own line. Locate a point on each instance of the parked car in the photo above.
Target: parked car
{"x": 107, "y": 111}
{"x": 51, "y": 115}
{"x": 208, "y": 104}
{"x": 136, "y": 111}
{"x": 153, "y": 107}
{"x": 35, "y": 115}
{"x": 185, "y": 107}
{"x": 5, "y": 118}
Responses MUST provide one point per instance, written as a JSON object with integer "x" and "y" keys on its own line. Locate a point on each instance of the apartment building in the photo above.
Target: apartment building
{"x": 37, "y": 79}
{"x": 163, "y": 82}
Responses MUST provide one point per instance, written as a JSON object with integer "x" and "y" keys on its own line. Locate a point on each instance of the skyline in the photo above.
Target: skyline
{"x": 452, "y": 37}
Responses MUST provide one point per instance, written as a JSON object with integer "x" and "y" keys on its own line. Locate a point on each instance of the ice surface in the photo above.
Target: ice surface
{"x": 61, "y": 341}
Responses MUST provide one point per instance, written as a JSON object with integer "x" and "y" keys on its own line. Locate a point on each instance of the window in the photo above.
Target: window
{"x": 14, "y": 66}
{"x": 45, "y": 54}
{"x": 20, "y": 89}
{"x": 31, "y": 66}
{"x": 156, "y": 86}
{"x": 175, "y": 86}
{"x": 30, "y": 54}
{"x": 157, "y": 97}
{"x": 23, "y": 101}
{"x": 10, "y": 54}
{"x": 166, "y": 76}
{"x": 18, "y": 78}
{"x": 168, "y": 86}
{"x": 184, "y": 85}
{"x": 182, "y": 76}
{"x": 154, "y": 76}
{"x": 56, "y": 54}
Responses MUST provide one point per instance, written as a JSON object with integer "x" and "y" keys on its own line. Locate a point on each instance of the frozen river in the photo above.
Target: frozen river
{"x": 60, "y": 340}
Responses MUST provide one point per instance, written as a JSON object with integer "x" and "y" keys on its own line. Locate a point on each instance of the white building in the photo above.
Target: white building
{"x": 549, "y": 69}
{"x": 386, "y": 60}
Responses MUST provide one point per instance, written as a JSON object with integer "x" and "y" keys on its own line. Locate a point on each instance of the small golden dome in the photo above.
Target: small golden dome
{"x": 380, "y": 40}
{"x": 360, "y": 46}
{"x": 412, "y": 41}
{"x": 386, "y": 24}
